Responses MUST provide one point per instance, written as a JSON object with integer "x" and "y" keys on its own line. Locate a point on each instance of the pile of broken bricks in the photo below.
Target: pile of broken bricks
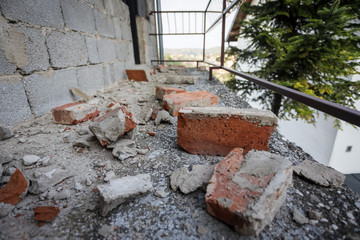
{"x": 245, "y": 189}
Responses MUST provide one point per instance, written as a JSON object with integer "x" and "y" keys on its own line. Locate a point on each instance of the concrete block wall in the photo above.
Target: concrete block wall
{"x": 49, "y": 46}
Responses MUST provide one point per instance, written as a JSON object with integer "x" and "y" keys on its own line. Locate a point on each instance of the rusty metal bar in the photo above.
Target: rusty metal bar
{"x": 177, "y": 60}
{"x": 222, "y": 57}
{"x": 152, "y": 12}
{"x": 157, "y": 34}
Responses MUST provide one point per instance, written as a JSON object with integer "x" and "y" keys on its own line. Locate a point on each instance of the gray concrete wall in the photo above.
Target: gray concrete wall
{"x": 49, "y": 46}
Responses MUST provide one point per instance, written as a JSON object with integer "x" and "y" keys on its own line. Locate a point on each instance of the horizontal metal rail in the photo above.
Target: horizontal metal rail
{"x": 152, "y": 12}
{"x": 162, "y": 34}
{"x": 336, "y": 110}
{"x": 177, "y": 60}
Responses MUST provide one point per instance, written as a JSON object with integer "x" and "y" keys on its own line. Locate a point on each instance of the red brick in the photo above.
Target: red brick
{"x": 218, "y": 130}
{"x": 45, "y": 213}
{"x": 137, "y": 75}
{"x": 161, "y": 91}
{"x": 246, "y": 192}
{"x": 15, "y": 189}
{"x": 173, "y": 102}
{"x": 73, "y": 113}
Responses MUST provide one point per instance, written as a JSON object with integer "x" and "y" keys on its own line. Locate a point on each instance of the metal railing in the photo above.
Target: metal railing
{"x": 336, "y": 110}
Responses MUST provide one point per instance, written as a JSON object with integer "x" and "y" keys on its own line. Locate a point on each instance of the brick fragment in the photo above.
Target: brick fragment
{"x": 45, "y": 213}
{"x": 218, "y": 130}
{"x": 73, "y": 113}
{"x": 109, "y": 127}
{"x": 137, "y": 75}
{"x": 15, "y": 189}
{"x": 161, "y": 91}
{"x": 247, "y": 192}
{"x": 173, "y": 102}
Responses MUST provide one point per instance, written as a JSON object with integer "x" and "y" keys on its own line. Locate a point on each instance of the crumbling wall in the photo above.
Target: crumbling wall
{"x": 49, "y": 46}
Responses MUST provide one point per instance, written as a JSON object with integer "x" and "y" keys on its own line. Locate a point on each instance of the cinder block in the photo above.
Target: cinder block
{"x": 248, "y": 192}
{"x": 90, "y": 78}
{"x": 107, "y": 51}
{"x": 104, "y": 24}
{"x": 126, "y": 30}
{"x": 40, "y": 12}
{"x": 137, "y": 75}
{"x": 50, "y": 89}
{"x": 92, "y": 49}
{"x": 124, "y": 13}
{"x": 74, "y": 113}
{"x": 122, "y": 51}
{"x": 14, "y": 106}
{"x": 117, "y": 28}
{"x": 118, "y": 71}
{"x": 108, "y": 76}
{"x": 96, "y": 3}
{"x": 78, "y": 16}
{"x": 173, "y": 102}
{"x": 161, "y": 91}
{"x": 67, "y": 50}
{"x": 5, "y": 66}
{"x": 36, "y": 50}
{"x": 218, "y": 130}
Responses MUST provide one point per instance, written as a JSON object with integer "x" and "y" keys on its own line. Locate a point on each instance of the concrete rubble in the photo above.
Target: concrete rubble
{"x": 5, "y": 133}
{"x": 121, "y": 189}
{"x": 247, "y": 192}
{"x": 73, "y": 113}
{"x": 320, "y": 174}
{"x": 164, "y": 117}
{"x": 75, "y": 173}
{"x": 189, "y": 181}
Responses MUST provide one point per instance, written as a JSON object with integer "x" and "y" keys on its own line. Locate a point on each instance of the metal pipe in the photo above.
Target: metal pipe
{"x": 222, "y": 55}
{"x": 152, "y": 12}
{"x": 157, "y": 34}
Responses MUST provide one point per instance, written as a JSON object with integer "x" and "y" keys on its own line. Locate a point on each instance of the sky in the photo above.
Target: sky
{"x": 191, "y": 22}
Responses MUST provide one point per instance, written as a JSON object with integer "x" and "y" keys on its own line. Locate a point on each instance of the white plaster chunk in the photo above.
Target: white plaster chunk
{"x": 121, "y": 189}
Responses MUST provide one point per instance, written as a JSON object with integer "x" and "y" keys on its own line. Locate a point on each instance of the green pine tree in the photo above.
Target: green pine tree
{"x": 308, "y": 45}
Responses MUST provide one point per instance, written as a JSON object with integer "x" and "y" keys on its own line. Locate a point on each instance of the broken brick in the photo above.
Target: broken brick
{"x": 161, "y": 91}
{"x": 73, "y": 113}
{"x": 173, "y": 102}
{"x": 45, "y": 213}
{"x": 218, "y": 130}
{"x": 247, "y": 192}
{"x": 109, "y": 127}
{"x": 15, "y": 189}
{"x": 137, "y": 75}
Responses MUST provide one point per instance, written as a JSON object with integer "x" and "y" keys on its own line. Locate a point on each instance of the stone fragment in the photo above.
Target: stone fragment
{"x": 5, "y": 133}
{"x": 161, "y": 193}
{"x": 81, "y": 142}
{"x": 299, "y": 217}
{"x": 30, "y": 159}
{"x": 77, "y": 92}
{"x": 164, "y": 116}
{"x": 314, "y": 215}
{"x": 148, "y": 115}
{"x": 15, "y": 189}
{"x": 51, "y": 194}
{"x": 320, "y": 174}
{"x": 137, "y": 75}
{"x": 247, "y": 192}
{"x": 64, "y": 194}
{"x": 48, "y": 179}
{"x": 123, "y": 153}
{"x": 121, "y": 189}
{"x": 5, "y": 209}
{"x": 161, "y": 91}
{"x": 173, "y": 102}
{"x": 121, "y": 143}
{"x": 109, "y": 175}
{"x": 202, "y": 230}
{"x": 189, "y": 181}
{"x": 73, "y": 113}
{"x": 45, "y": 213}
{"x": 142, "y": 151}
{"x": 109, "y": 127}
{"x": 180, "y": 79}
{"x": 1, "y": 170}
{"x": 105, "y": 230}
{"x": 78, "y": 186}
{"x": 218, "y": 130}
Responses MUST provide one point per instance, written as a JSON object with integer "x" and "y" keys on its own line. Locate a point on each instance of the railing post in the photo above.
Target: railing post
{"x": 210, "y": 73}
{"x": 223, "y": 34}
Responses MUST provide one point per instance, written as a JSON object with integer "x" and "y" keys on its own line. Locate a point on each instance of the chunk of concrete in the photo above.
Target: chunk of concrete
{"x": 30, "y": 159}
{"x": 189, "y": 181}
{"x": 320, "y": 174}
{"x": 15, "y": 189}
{"x": 122, "y": 142}
{"x": 179, "y": 79}
{"x": 5, "y": 133}
{"x": 247, "y": 192}
{"x": 299, "y": 217}
{"x": 73, "y": 113}
{"x": 5, "y": 209}
{"x": 109, "y": 127}
{"x": 164, "y": 116}
{"x": 121, "y": 189}
{"x": 123, "y": 153}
